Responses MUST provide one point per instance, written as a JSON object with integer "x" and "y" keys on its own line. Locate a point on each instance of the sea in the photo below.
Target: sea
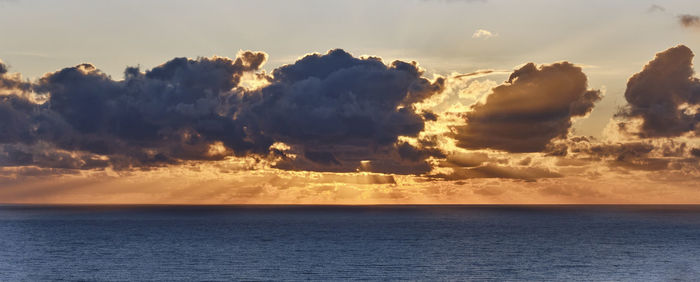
{"x": 340, "y": 243}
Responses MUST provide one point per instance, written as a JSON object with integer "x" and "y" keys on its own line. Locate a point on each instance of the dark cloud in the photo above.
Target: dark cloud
{"x": 556, "y": 150}
{"x": 481, "y": 165}
{"x": 673, "y": 149}
{"x": 622, "y": 151}
{"x": 648, "y": 155}
{"x": 415, "y": 154}
{"x": 333, "y": 107}
{"x": 339, "y": 99}
{"x": 659, "y": 92}
{"x": 635, "y": 155}
{"x": 401, "y": 158}
{"x": 48, "y": 156}
{"x": 649, "y": 164}
{"x": 176, "y": 111}
{"x": 16, "y": 109}
{"x": 16, "y": 119}
{"x": 458, "y": 159}
{"x": 689, "y": 20}
{"x": 533, "y": 107}
{"x": 336, "y": 111}
{"x": 328, "y": 112}
{"x": 695, "y": 152}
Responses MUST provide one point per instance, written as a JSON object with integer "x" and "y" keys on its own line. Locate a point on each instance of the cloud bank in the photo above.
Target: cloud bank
{"x": 359, "y": 119}
{"x": 331, "y": 111}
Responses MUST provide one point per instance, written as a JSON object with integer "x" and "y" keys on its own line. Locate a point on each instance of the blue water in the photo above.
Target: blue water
{"x": 340, "y": 243}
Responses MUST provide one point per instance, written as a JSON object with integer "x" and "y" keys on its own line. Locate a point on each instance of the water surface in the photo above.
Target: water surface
{"x": 348, "y": 242}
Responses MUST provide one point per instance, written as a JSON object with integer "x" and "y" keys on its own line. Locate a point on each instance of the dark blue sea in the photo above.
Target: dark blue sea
{"x": 212, "y": 243}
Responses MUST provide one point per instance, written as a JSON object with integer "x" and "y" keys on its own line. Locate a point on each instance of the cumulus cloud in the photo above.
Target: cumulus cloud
{"x": 337, "y": 110}
{"x": 665, "y": 95}
{"x": 12, "y": 84}
{"x": 334, "y": 111}
{"x": 339, "y": 99}
{"x": 176, "y": 111}
{"x": 533, "y": 107}
{"x": 17, "y": 109}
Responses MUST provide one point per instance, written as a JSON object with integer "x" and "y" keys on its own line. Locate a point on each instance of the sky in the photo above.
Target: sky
{"x": 349, "y": 102}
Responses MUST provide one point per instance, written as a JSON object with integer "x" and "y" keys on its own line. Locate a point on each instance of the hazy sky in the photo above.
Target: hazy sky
{"x": 609, "y": 40}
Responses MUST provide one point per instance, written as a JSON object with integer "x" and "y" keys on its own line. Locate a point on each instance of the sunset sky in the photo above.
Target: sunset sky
{"x": 349, "y": 102}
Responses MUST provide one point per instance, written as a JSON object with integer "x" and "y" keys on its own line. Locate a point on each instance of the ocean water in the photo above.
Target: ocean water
{"x": 195, "y": 243}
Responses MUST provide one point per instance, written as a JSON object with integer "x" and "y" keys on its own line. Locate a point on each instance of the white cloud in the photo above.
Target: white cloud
{"x": 482, "y": 33}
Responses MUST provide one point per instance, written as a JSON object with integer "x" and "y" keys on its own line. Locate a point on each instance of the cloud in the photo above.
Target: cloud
{"x": 494, "y": 171}
{"x": 180, "y": 110}
{"x": 665, "y": 95}
{"x": 17, "y": 109}
{"x": 335, "y": 128}
{"x": 480, "y": 73}
{"x": 331, "y": 112}
{"x": 483, "y": 34}
{"x": 689, "y": 20}
{"x": 533, "y": 107}
{"x": 633, "y": 155}
{"x": 695, "y": 152}
{"x": 12, "y": 83}
{"x": 338, "y": 99}
{"x": 460, "y": 159}
{"x": 334, "y": 111}
{"x": 337, "y": 110}
{"x": 175, "y": 111}
{"x": 659, "y": 155}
